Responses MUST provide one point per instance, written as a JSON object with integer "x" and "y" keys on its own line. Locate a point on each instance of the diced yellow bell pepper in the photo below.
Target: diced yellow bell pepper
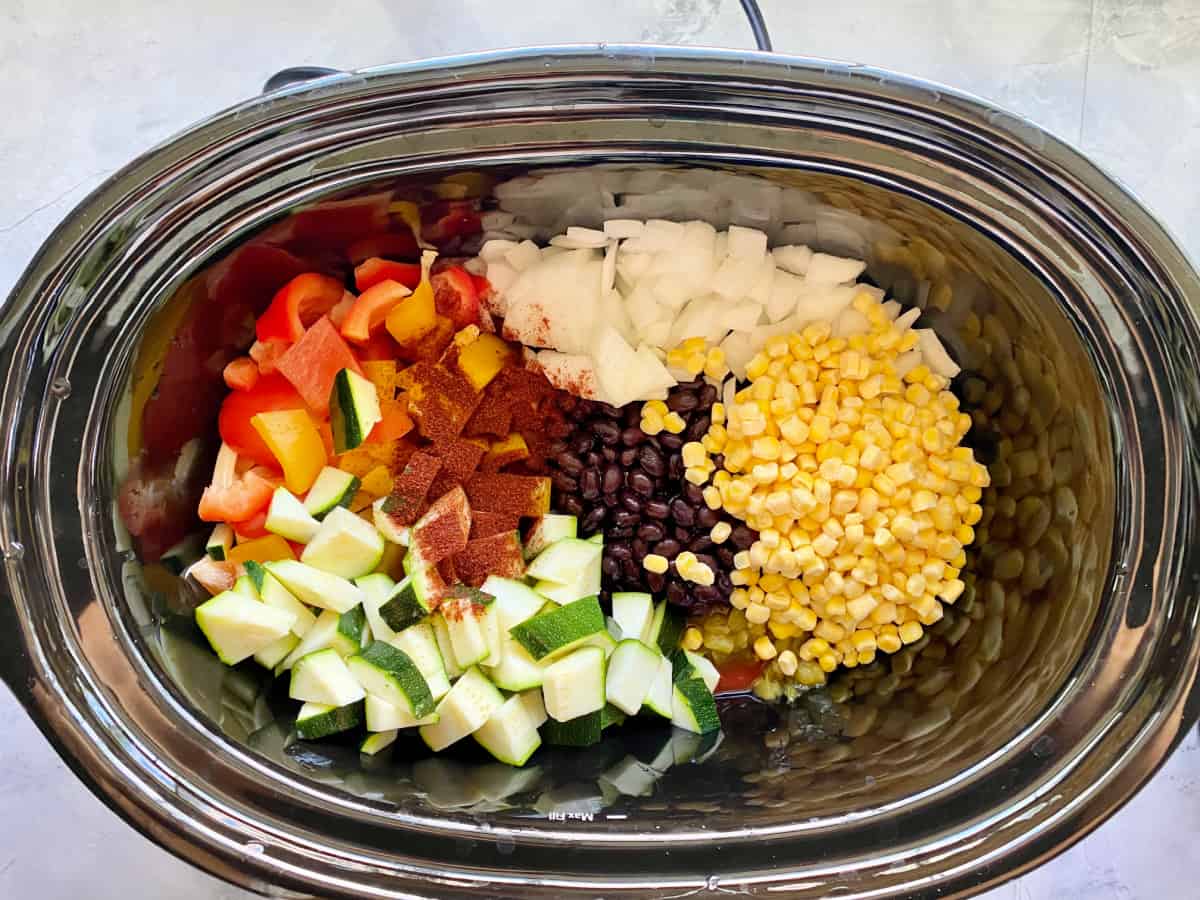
{"x": 296, "y": 443}
{"x": 377, "y": 482}
{"x": 382, "y": 374}
{"x": 504, "y": 451}
{"x": 366, "y": 457}
{"x": 263, "y": 550}
{"x": 416, "y": 315}
{"x": 482, "y": 359}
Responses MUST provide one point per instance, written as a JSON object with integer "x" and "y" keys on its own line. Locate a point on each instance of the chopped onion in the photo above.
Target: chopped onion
{"x": 935, "y": 354}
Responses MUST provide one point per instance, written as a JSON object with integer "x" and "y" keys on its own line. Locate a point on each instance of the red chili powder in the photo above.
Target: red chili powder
{"x": 403, "y": 505}
{"x": 485, "y": 524}
{"x": 498, "y": 555}
{"x": 516, "y": 495}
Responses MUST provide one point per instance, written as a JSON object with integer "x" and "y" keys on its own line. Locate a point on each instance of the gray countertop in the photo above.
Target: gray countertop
{"x": 86, "y": 86}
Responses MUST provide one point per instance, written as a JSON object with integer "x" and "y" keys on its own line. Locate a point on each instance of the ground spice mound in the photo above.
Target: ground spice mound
{"x": 516, "y": 495}
{"x": 403, "y": 505}
{"x": 498, "y": 555}
{"x": 485, "y": 524}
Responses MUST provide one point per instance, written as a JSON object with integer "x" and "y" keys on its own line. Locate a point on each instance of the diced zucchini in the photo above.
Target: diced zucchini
{"x": 315, "y": 587}
{"x": 441, "y": 631}
{"x": 353, "y": 410}
{"x": 238, "y": 626}
{"x": 389, "y": 673}
{"x": 397, "y": 534}
{"x": 547, "y": 530}
{"x": 631, "y": 671}
{"x": 579, "y": 732}
{"x": 693, "y": 707}
{"x": 469, "y": 624}
{"x": 517, "y": 670}
{"x": 323, "y": 677}
{"x": 515, "y": 602}
{"x": 610, "y": 715}
{"x": 509, "y": 734}
{"x": 420, "y": 644}
{"x": 574, "y": 685}
{"x": 374, "y": 743}
{"x": 634, "y": 613}
{"x": 332, "y": 488}
{"x": 604, "y": 640}
{"x": 403, "y": 607}
{"x": 220, "y": 542}
{"x": 631, "y": 777}
{"x": 376, "y": 588}
{"x": 597, "y": 538}
{"x": 463, "y": 711}
{"x": 535, "y": 706}
{"x": 563, "y": 562}
{"x": 340, "y": 631}
{"x": 277, "y": 651}
{"x": 425, "y": 579}
{"x": 272, "y": 593}
{"x": 667, "y": 627}
{"x": 658, "y": 698}
{"x": 704, "y": 669}
{"x": 318, "y": 720}
{"x": 245, "y": 586}
{"x": 560, "y": 630}
{"x": 384, "y": 716}
{"x": 344, "y": 545}
{"x": 287, "y": 517}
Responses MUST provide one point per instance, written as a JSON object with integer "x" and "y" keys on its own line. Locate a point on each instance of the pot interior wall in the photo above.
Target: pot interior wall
{"x": 876, "y": 736}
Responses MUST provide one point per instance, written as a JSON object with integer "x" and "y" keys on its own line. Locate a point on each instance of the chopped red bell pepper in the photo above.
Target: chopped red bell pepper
{"x": 737, "y": 675}
{"x": 232, "y": 497}
{"x": 381, "y": 346}
{"x": 297, "y": 305}
{"x": 370, "y": 310}
{"x": 272, "y": 392}
{"x": 455, "y": 296}
{"x": 338, "y": 314}
{"x": 392, "y": 244}
{"x": 241, "y": 374}
{"x": 483, "y": 287}
{"x": 312, "y": 363}
{"x": 254, "y": 527}
{"x": 371, "y": 271}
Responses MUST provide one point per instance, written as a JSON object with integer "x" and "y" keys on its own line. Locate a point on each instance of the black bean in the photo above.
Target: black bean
{"x": 657, "y": 509}
{"x": 651, "y": 531}
{"x": 694, "y": 493}
{"x": 655, "y": 581}
{"x": 593, "y": 520}
{"x": 707, "y": 594}
{"x": 607, "y": 409}
{"x": 610, "y": 567}
{"x": 698, "y": 428}
{"x": 593, "y": 459}
{"x": 618, "y": 551}
{"x": 632, "y": 414}
{"x": 569, "y": 462}
{"x": 641, "y": 483}
{"x": 707, "y": 518}
{"x": 619, "y": 534}
{"x": 682, "y": 512}
{"x": 632, "y": 501}
{"x": 706, "y": 560}
{"x": 610, "y": 482}
{"x": 572, "y": 506}
{"x": 631, "y": 569}
{"x": 670, "y": 441}
{"x": 556, "y": 447}
{"x": 581, "y": 443}
{"x": 725, "y": 555}
{"x": 742, "y": 537}
{"x": 682, "y": 401}
{"x": 681, "y": 534}
{"x": 651, "y": 460}
{"x": 719, "y": 461}
{"x": 610, "y": 500}
{"x": 708, "y": 396}
{"x": 640, "y": 549}
{"x": 631, "y": 437}
{"x": 702, "y": 544}
{"x": 608, "y": 432}
{"x": 565, "y": 483}
{"x": 677, "y": 593}
{"x": 675, "y": 467}
{"x": 609, "y": 455}
{"x": 668, "y": 548}
{"x": 567, "y": 402}
{"x": 589, "y": 484}
{"x": 623, "y": 518}
{"x": 628, "y": 457}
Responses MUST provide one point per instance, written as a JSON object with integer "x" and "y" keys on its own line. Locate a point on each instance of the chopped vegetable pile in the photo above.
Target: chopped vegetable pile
{"x": 521, "y": 498}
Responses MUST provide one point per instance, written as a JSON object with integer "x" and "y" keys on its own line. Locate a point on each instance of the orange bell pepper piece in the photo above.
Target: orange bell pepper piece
{"x": 263, "y": 550}
{"x": 396, "y": 422}
{"x": 296, "y": 443}
{"x": 232, "y": 497}
{"x": 370, "y": 310}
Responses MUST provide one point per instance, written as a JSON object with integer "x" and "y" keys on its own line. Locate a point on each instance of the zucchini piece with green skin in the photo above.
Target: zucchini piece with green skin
{"x": 604, "y": 640}
{"x": 344, "y": 545}
{"x": 579, "y": 732}
{"x": 420, "y": 643}
{"x": 397, "y": 534}
{"x": 471, "y": 625}
{"x": 634, "y": 613}
{"x": 667, "y": 628}
{"x": 287, "y": 517}
{"x": 693, "y": 708}
{"x": 323, "y": 677}
{"x": 353, "y": 410}
{"x": 376, "y": 587}
{"x": 547, "y": 530}
{"x": 704, "y": 669}
{"x": 610, "y": 715}
{"x": 220, "y": 542}
{"x": 509, "y": 734}
{"x": 463, "y": 711}
{"x": 384, "y": 716}
{"x": 658, "y": 698}
{"x": 390, "y": 674}
{"x": 331, "y": 489}
{"x": 341, "y": 631}
{"x": 315, "y": 587}
{"x": 273, "y": 654}
{"x": 441, "y": 631}
{"x": 517, "y": 670}
{"x": 597, "y": 538}
{"x": 244, "y": 585}
{"x": 515, "y": 601}
{"x": 374, "y": 743}
{"x": 272, "y": 593}
{"x": 573, "y": 686}
{"x": 631, "y": 671}
{"x": 564, "y": 561}
{"x": 238, "y": 626}
{"x": 318, "y": 720}
{"x": 403, "y": 607}
{"x": 560, "y": 630}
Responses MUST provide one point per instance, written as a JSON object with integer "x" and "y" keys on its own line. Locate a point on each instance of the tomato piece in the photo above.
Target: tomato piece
{"x": 455, "y": 296}
{"x": 254, "y": 527}
{"x": 482, "y": 286}
{"x": 297, "y": 305}
{"x": 371, "y": 271}
{"x": 313, "y": 362}
{"x": 371, "y": 309}
{"x": 738, "y": 674}
{"x": 236, "y": 499}
{"x": 271, "y": 392}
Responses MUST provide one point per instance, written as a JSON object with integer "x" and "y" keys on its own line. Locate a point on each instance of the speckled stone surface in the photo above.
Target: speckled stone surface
{"x": 86, "y": 86}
